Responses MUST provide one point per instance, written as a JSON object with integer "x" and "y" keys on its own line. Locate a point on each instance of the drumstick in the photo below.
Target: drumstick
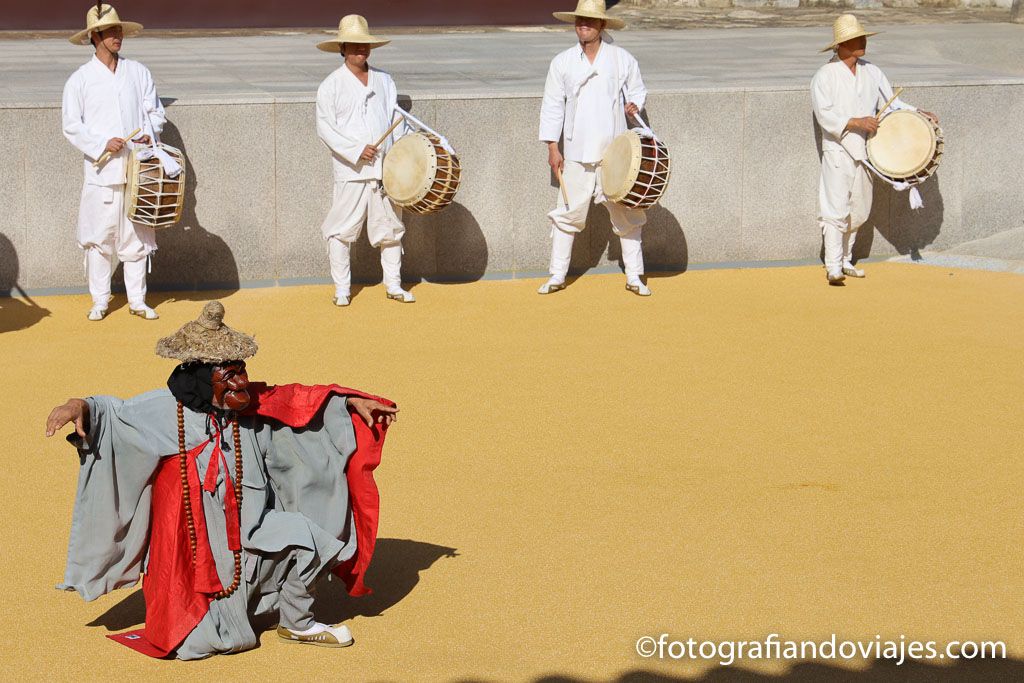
{"x": 891, "y": 100}
{"x": 106, "y": 155}
{"x": 390, "y": 130}
{"x": 565, "y": 195}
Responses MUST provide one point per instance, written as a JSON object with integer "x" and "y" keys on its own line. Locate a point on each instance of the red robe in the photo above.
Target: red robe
{"x": 178, "y": 593}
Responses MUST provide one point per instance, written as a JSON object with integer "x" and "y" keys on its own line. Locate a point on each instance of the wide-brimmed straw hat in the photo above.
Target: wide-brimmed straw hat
{"x": 207, "y": 340}
{"x": 847, "y": 27}
{"x": 591, "y": 9}
{"x": 100, "y": 18}
{"x": 352, "y": 29}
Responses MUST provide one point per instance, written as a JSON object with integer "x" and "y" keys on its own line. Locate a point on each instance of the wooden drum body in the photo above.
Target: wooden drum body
{"x": 420, "y": 174}
{"x": 154, "y": 199}
{"x": 635, "y": 170}
{"x": 907, "y": 147}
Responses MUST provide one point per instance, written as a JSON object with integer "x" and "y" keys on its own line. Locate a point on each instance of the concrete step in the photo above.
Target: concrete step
{"x": 1008, "y": 244}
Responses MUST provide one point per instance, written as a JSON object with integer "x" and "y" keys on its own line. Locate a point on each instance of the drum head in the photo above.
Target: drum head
{"x": 409, "y": 169}
{"x": 620, "y": 164}
{"x": 903, "y": 145}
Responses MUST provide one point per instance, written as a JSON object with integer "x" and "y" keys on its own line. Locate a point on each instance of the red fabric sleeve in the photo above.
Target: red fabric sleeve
{"x": 296, "y": 405}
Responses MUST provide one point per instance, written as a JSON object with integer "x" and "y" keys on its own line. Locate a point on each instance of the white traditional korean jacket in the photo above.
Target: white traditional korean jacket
{"x": 837, "y": 95}
{"x": 584, "y": 101}
{"x": 350, "y": 116}
{"x": 99, "y": 104}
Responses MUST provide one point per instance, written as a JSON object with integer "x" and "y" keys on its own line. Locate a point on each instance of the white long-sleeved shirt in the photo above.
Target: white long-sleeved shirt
{"x": 583, "y": 101}
{"x": 99, "y": 104}
{"x": 837, "y": 95}
{"x": 350, "y": 116}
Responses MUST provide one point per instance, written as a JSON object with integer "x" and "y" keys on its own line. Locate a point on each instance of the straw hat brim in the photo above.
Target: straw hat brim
{"x": 195, "y": 343}
{"x": 858, "y": 34}
{"x": 570, "y": 18}
{"x": 130, "y": 28}
{"x": 334, "y": 45}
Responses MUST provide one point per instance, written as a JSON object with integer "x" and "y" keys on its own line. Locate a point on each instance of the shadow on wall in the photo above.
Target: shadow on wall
{"x": 394, "y": 573}
{"x": 879, "y": 671}
{"x": 460, "y": 249}
{"x": 190, "y": 258}
{"x": 907, "y": 230}
{"x": 910, "y": 231}
{"x": 20, "y": 313}
{"x": 664, "y": 243}
{"x": 665, "y": 248}
{"x": 447, "y": 246}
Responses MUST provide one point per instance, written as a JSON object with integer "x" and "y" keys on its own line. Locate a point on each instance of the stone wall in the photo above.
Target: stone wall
{"x": 743, "y": 189}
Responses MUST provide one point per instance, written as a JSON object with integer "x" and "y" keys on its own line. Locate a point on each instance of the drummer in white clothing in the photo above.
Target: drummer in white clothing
{"x": 105, "y": 100}
{"x": 846, "y": 95}
{"x": 355, "y": 106}
{"x": 590, "y": 89}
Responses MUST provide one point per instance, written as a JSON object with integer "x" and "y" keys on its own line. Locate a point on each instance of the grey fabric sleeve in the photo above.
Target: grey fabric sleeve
{"x": 110, "y": 521}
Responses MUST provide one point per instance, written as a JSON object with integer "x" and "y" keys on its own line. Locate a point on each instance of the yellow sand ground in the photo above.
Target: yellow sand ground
{"x": 744, "y": 453}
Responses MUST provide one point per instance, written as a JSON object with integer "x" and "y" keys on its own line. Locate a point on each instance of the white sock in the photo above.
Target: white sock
{"x": 316, "y": 628}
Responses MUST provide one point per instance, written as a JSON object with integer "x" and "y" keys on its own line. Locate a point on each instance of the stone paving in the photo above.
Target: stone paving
{"x": 648, "y": 14}
{"x": 286, "y": 66}
{"x": 668, "y": 14}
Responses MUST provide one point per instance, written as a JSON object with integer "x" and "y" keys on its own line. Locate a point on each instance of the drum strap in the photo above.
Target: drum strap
{"x": 171, "y": 166}
{"x": 643, "y": 129}
{"x": 422, "y": 126}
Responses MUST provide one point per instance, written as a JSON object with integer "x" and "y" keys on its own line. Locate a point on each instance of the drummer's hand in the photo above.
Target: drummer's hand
{"x": 369, "y": 154}
{"x": 555, "y": 160}
{"x": 75, "y": 410}
{"x": 142, "y": 140}
{"x": 373, "y": 411}
{"x": 632, "y": 109}
{"x": 865, "y": 124}
{"x": 933, "y": 117}
{"x": 115, "y": 145}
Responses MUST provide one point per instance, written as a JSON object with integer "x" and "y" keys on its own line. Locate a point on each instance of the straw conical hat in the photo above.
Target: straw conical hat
{"x": 352, "y": 29}
{"x": 847, "y": 27}
{"x": 591, "y": 9}
{"x": 100, "y": 18}
{"x": 207, "y": 340}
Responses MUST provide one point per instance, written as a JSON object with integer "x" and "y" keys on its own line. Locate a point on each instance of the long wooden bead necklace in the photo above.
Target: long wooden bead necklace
{"x": 187, "y": 496}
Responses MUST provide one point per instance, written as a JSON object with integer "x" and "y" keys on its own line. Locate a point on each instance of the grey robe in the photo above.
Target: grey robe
{"x": 296, "y": 521}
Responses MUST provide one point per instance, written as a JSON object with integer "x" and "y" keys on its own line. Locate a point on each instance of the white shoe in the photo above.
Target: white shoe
{"x": 402, "y": 296}
{"x": 638, "y": 288}
{"x": 97, "y": 313}
{"x": 848, "y": 269}
{"x": 341, "y": 301}
{"x": 146, "y": 313}
{"x": 836, "y": 277}
{"x": 551, "y": 286}
{"x": 321, "y": 634}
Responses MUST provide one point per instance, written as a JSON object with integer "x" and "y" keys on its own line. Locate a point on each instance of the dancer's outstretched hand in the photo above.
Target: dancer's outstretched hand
{"x": 75, "y": 410}
{"x": 373, "y": 411}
